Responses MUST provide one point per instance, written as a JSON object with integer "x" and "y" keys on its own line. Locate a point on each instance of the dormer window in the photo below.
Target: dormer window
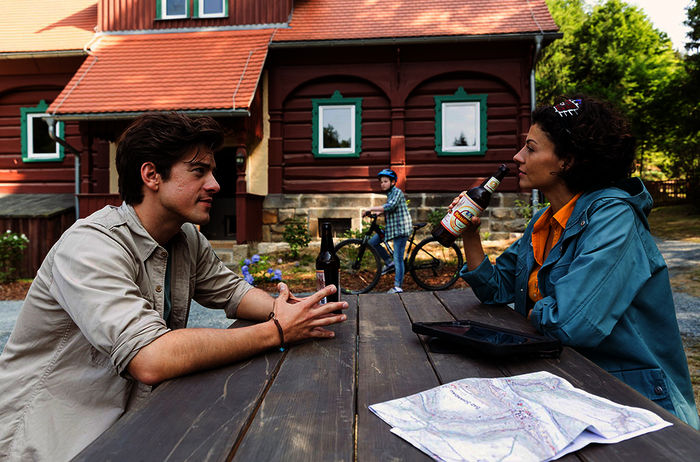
{"x": 210, "y": 8}
{"x": 172, "y": 9}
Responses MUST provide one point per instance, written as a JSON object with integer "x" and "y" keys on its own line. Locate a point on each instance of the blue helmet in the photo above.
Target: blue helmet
{"x": 388, "y": 173}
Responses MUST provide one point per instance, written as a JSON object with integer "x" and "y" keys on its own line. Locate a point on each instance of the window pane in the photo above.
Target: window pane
{"x": 41, "y": 141}
{"x": 213, "y": 6}
{"x": 460, "y": 126}
{"x": 337, "y": 127}
{"x": 175, "y": 7}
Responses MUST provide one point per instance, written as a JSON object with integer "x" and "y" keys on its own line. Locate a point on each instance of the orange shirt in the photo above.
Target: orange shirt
{"x": 545, "y": 234}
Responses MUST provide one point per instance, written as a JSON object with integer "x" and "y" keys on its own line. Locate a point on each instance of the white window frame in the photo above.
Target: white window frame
{"x": 476, "y": 128}
{"x": 164, "y": 11}
{"x": 28, "y": 114}
{"x": 324, "y": 150}
{"x": 201, "y": 14}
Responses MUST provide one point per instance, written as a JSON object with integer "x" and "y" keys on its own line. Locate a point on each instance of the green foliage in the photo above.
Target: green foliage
{"x": 12, "y": 247}
{"x": 436, "y": 215}
{"x": 527, "y": 210}
{"x": 296, "y": 234}
{"x": 613, "y": 52}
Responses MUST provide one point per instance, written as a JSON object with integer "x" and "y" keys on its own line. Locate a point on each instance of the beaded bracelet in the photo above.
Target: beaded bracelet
{"x": 283, "y": 346}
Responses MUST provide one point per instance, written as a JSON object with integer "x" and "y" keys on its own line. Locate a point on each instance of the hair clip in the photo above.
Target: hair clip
{"x": 567, "y": 107}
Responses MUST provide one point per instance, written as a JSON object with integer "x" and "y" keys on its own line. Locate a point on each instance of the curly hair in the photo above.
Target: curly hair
{"x": 164, "y": 139}
{"x": 594, "y": 141}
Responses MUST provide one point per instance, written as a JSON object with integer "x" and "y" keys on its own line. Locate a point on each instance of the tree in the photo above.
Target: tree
{"x": 613, "y": 52}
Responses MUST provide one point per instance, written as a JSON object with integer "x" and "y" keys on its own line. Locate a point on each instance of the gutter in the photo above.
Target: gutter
{"x": 535, "y": 194}
{"x": 134, "y": 114}
{"x": 417, "y": 40}
{"x": 42, "y": 54}
{"x": 76, "y": 154}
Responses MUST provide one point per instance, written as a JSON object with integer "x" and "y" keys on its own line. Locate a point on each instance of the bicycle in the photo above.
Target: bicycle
{"x": 431, "y": 265}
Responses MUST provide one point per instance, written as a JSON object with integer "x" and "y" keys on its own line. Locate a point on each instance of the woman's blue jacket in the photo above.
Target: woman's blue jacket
{"x": 607, "y": 294}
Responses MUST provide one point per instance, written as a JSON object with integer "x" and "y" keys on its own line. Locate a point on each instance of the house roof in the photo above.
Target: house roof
{"x": 314, "y": 20}
{"x": 46, "y": 25}
{"x": 187, "y": 71}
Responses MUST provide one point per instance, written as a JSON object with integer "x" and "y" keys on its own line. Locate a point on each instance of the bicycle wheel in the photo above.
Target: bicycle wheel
{"x": 433, "y": 266}
{"x": 360, "y": 268}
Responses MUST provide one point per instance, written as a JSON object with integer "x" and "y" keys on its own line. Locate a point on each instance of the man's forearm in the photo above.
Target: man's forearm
{"x": 184, "y": 351}
{"x": 256, "y": 305}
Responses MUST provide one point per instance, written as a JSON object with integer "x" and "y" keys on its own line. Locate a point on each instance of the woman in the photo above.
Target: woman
{"x": 587, "y": 270}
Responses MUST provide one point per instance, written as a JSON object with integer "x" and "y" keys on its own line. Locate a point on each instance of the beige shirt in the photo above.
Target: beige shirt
{"x": 96, "y": 300}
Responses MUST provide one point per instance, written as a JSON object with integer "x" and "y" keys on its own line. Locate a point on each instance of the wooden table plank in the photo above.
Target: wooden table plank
{"x": 309, "y": 411}
{"x": 680, "y": 442}
{"x": 426, "y": 307}
{"x": 196, "y": 417}
{"x": 392, "y": 364}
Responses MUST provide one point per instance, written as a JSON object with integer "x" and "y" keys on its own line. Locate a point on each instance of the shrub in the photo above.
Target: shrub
{"x": 259, "y": 269}
{"x": 435, "y": 216}
{"x": 12, "y": 246}
{"x": 527, "y": 210}
{"x": 296, "y": 234}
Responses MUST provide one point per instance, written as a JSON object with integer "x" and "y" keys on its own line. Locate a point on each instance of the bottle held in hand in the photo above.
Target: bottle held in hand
{"x": 328, "y": 265}
{"x": 469, "y": 206}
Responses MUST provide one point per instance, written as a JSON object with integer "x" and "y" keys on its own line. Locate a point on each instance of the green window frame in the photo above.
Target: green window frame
{"x": 324, "y": 138}
{"x": 162, "y": 10}
{"x": 198, "y": 9}
{"x": 460, "y": 118}
{"x": 31, "y": 118}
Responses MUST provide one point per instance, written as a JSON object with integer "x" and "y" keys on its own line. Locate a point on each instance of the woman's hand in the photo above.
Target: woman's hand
{"x": 456, "y": 200}
{"x": 302, "y": 318}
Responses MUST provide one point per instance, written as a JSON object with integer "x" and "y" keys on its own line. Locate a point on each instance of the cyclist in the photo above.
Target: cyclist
{"x": 398, "y": 226}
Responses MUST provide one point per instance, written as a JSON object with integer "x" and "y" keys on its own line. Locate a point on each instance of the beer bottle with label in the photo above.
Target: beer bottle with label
{"x": 328, "y": 265}
{"x": 471, "y": 205}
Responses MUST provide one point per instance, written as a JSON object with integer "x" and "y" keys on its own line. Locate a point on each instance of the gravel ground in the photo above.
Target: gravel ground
{"x": 679, "y": 255}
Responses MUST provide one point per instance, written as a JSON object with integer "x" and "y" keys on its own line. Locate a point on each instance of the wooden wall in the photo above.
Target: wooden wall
{"x": 24, "y": 83}
{"x": 397, "y": 85}
{"x": 115, "y": 15}
{"x": 43, "y": 233}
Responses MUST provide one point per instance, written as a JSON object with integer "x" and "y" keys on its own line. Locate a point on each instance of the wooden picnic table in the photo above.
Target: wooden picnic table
{"x": 310, "y": 403}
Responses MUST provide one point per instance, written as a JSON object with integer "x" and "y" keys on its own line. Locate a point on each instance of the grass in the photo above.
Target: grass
{"x": 676, "y": 222}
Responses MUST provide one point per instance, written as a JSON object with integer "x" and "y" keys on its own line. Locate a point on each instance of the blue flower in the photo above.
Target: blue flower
{"x": 244, "y": 269}
{"x": 277, "y": 276}
{"x": 270, "y": 270}
{"x": 249, "y": 279}
{"x": 247, "y": 261}
{"x": 256, "y": 258}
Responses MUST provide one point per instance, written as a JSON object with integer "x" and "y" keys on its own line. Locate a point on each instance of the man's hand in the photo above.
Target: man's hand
{"x": 302, "y": 318}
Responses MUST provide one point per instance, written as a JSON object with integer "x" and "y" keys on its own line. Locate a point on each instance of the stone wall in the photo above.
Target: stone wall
{"x": 500, "y": 221}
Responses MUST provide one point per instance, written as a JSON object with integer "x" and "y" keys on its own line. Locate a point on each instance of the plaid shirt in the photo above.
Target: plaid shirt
{"x": 398, "y": 220}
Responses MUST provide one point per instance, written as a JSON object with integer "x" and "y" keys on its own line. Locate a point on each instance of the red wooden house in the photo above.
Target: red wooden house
{"x": 316, "y": 96}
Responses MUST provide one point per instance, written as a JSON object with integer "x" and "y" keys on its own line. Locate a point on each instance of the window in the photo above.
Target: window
{"x": 172, "y": 9}
{"x": 460, "y": 124}
{"x": 337, "y": 126}
{"x": 210, "y": 8}
{"x": 37, "y": 146}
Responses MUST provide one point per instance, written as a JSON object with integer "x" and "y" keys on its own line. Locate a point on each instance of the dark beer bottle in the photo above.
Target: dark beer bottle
{"x": 328, "y": 265}
{"x": 471, "y": 205}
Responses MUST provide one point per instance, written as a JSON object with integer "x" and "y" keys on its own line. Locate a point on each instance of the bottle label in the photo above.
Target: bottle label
{"x": 492, "y": 184}
{"x": 461, "y": 215}
{"x": 320, "y": 284}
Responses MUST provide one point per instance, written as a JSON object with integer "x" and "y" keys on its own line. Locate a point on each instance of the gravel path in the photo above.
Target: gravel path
{"x": 679, "y": 255}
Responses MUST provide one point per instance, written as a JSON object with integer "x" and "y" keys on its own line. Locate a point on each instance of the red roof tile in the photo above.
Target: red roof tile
{"x": 213, "y": 70}
{"x": 368, "y": 19}
{"x": 46, "y": 25}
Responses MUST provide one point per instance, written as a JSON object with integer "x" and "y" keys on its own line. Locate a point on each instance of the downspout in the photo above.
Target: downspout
{"x": 76, "y": 155}
{"x": 535, "y": 194}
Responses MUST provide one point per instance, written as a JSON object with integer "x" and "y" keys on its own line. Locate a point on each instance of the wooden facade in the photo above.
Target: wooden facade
{"x": 397, "y": 85}
{"x": 118, "y": 15}
{"x": 24, "y": 83}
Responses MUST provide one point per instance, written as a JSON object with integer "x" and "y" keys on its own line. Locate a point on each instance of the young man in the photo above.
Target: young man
{"x": 398, "y": 225}
{"x": 105, "y": 317}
